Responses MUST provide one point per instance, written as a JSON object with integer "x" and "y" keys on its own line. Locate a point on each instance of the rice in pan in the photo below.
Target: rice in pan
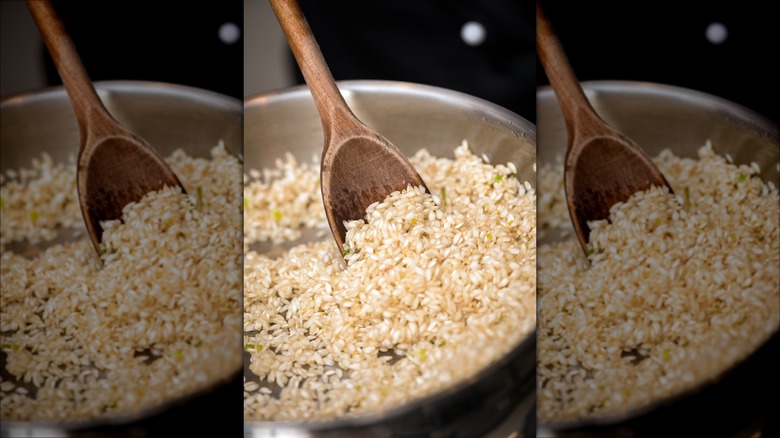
{"x": 674, "y": 290}
{"x": 155, "y": 317}
{"x": 430, "y": 289}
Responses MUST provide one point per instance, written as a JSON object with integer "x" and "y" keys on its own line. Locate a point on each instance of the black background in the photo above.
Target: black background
{"x": 419, "y": 41}
{"x": 168, "y": 41}
{"x": 664, "y": 41}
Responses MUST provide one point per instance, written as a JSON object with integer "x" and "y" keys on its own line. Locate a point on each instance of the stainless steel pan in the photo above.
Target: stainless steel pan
{"x": 499, "y": 399}
{"x": 168, "y": 116}
{"x": 658, "y": 116}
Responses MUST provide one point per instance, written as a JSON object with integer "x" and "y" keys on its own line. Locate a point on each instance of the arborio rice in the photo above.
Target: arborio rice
{"x": 158, "y": 320}
{"x": 674, "y": 290}
{"x": 435, "y": 287}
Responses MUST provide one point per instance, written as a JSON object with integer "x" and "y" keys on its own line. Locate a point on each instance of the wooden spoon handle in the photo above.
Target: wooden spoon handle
{"x": 83, "y": 96}
{"x": 568, "y": 91}
{"x": 330, "y": 103}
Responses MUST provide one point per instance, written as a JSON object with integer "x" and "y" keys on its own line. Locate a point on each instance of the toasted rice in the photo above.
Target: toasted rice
{"x": 676, "y": 289}
{"x": 434, "y": 288}
{"x": 156, "y": 319}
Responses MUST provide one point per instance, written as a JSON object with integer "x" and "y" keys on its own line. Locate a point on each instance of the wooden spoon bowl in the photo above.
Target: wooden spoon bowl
{"x": 602, "y": 167}
{"x": 115, "y": 166}
{"x": 359, "y": 166}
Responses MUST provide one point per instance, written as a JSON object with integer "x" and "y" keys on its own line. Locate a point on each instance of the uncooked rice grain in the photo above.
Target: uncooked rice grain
{"x": 430, "y": 289}
{"x": 675, "y": 289}
{"x": 155, "y": 317}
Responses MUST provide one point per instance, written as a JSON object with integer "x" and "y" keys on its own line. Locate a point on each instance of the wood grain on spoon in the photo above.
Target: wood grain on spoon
{"x": 602, "y": 165}
{"x": 115, "y": 166}
{"x": 359, "y": 166}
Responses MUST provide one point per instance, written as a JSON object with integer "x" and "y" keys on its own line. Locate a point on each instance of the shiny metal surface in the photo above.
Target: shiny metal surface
{"x": 169, "y": 116}
{"x": 411, "y": 116}
{"x": 659, "y": 116}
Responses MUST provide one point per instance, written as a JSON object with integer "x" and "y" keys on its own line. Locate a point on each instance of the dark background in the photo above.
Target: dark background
{"x": 168, "y": 41}
{"x": 664, "y": 41}
{"x": 420, "y": 41}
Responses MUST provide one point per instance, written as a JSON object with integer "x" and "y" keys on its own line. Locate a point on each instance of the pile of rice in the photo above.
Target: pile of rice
{"x": 434, "y": 288}
{"x": 155, "y": 317}
{"x": 675, "y": 289}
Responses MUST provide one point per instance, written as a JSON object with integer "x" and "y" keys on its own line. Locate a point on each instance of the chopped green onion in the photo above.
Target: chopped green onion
{"x": 443, "y": 343}
{"x": 200, "y": 196}
{"x": 103, "y": 251}
{"x": 34, "y": 215}
{"x": 443, "y": 193}
{"x": 277, "y": 215}
{"x": 423, "y": 354}
{"x": 488, "y": 236}
{"x": 655, "y": 224}
{"x": 590, "y": 251}
{"x": 383, "y": 392}
{"x": 2, "y": 202}
{"x": 199, "y": 343}
{"x": 499, "y": 178}
{"x": 246, "y": 202}
{"x": 687, "y": 197}
{"x": 14, "y": 347}
{"x": 666, "y": 354}
{"x": 414, "y": 221}
{"x": 346, "y": 251}
{"x": 179, "y": 354}
{"x": 742, "y": 178}
{"x": 256, "y": 347}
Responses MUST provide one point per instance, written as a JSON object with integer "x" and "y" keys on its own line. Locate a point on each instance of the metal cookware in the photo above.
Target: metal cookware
{"x": 499, "y": 399}
{"x": 170, "y": 117}
{"x": 738, "y": 403}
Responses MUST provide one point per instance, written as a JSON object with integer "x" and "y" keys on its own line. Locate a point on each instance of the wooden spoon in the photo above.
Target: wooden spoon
{"x": 359, "y": 166}
{"x": 115, "y": 166}
{"x": 602, "y": 166}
